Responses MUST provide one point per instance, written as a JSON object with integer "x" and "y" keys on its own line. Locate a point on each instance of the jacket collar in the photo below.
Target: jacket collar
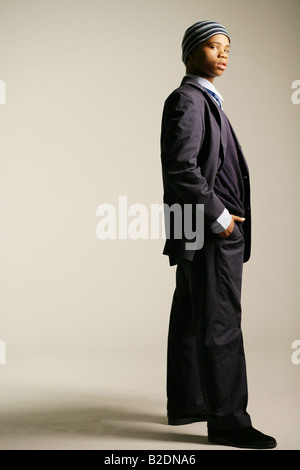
{"x": 206, "y": 84}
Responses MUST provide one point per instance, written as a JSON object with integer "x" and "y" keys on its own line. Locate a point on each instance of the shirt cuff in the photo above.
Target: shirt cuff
{"x": 222, "y": 222}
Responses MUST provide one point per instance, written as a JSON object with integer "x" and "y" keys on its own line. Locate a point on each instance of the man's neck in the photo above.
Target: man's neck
{"x": 190, "y": 72}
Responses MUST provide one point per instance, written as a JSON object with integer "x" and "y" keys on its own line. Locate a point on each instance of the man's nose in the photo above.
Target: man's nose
{"x": 223, "y": 53}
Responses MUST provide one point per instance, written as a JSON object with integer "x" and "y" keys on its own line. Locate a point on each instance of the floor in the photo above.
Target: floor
{"x": 114, "y": 400}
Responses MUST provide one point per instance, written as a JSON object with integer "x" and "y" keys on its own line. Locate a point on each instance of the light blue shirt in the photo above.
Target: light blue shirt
{"x": 224, "y": 220}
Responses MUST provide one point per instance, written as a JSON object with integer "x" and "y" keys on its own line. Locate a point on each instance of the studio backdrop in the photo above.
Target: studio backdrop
{"x": 83, "y": 85}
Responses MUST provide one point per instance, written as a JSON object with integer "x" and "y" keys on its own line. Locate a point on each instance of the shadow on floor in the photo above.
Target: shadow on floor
{"x": 103, "y": 418}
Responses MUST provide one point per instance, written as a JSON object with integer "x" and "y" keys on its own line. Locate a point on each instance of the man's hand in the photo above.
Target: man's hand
{"x": 229, "y": 229}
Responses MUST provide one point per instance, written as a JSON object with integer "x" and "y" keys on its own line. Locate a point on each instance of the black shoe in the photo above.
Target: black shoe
{"x": 177, "y": 419}
{"x": 247, "y": 438}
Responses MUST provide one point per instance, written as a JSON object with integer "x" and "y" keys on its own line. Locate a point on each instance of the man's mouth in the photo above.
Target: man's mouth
{"x": 222, "y": 65}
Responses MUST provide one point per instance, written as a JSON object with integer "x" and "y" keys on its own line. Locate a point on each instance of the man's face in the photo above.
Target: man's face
{"x": 209, "y": 59}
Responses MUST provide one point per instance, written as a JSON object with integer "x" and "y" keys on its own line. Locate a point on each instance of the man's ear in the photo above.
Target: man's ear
{"x": 190, "y": 58}
{"x": 191, "y": 55}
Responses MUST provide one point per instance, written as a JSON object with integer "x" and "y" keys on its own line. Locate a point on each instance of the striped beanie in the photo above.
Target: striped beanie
{"x": 200, "y": 32}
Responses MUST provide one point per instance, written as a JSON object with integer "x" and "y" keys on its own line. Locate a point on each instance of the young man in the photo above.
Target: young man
{"x": 203, "y": 164}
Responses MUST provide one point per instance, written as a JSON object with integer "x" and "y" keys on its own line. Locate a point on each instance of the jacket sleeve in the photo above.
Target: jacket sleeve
{"x": 181, "y": 139}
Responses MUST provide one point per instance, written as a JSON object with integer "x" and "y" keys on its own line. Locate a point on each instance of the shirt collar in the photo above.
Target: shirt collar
{"x": 206, "y": 84}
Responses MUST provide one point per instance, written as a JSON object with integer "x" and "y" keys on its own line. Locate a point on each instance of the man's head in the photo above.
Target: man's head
{"x": 205, "y": 49}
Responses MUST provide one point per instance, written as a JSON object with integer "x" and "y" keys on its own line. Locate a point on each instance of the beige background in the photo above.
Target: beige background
{"x": 85, "y": 86}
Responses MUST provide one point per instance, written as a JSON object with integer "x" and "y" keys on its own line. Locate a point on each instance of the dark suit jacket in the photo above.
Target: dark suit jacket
{"x": 193, "y": 145}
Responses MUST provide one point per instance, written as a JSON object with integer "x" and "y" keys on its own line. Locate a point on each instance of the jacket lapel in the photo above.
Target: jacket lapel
{"x": 215, "y": 109}
{"x": 238, "y": 145}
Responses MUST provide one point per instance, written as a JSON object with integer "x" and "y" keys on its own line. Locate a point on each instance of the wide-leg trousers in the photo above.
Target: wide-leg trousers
{"x": 206, "y": 366}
